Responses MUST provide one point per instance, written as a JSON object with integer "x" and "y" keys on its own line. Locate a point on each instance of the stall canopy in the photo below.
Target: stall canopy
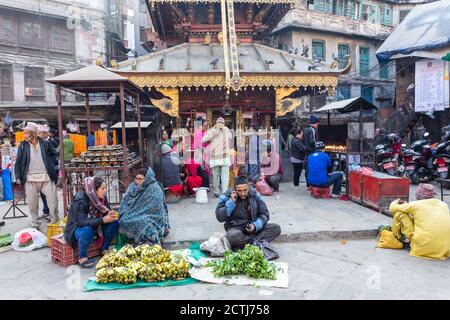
{"x": 348, "y": 105}
{"x": 131, "y": 125}
{"x": 425, "y": 28}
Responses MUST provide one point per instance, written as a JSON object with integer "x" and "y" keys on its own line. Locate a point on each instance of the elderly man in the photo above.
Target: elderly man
{"x": 245, "y": 215}
{"x": 423, "y": 225}
{"x": 35, "y": 169}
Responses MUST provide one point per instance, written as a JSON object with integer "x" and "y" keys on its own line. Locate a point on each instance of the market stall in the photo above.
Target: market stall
{"x": 93, "y": 80}
{"x": 359, "y": 146}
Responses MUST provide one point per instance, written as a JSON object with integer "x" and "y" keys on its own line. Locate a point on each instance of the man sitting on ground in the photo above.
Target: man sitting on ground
{"x": 319, "y": 164}
{"x": 245, "y": 215}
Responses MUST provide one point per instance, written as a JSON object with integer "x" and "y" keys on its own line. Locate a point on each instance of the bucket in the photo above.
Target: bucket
{"x": 201, "y": 195}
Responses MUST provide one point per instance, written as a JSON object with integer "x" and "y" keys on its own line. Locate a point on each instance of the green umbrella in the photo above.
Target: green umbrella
{"x": 446, "y": 57}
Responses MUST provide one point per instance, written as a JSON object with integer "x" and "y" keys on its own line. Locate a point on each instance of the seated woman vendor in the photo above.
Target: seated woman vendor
{"x": 143, "y": 210}
{"x": 90, "y": 215}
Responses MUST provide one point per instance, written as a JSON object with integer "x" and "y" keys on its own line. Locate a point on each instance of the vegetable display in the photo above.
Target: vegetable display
{"x": 149, "y": 263}
{"x": 248, "y": 261}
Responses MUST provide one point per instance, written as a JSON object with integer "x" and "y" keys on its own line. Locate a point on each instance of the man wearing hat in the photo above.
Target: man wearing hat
{"x": 35, "y": 169}
{"x": 220, "y": 139}
{"x": 319, "y": 164}
{"x": 245, "y": 215}
{"x": 310, "y": 137}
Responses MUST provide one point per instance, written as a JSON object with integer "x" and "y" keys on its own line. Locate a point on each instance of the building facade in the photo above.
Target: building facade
{"x": 43, "y": 38}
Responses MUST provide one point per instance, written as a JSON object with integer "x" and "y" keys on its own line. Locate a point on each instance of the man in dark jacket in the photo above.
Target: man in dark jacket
{"x": 298, "y": 151}
{"x": 245, "y": 215}
{"x": 310, "y": 137}
{"x": 35, "y": 169}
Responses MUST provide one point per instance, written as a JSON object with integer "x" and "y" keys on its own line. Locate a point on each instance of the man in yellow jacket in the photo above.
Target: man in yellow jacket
{"x": 424, "y": 224}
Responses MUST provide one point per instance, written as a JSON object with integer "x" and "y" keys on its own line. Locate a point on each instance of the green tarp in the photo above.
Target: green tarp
{"x": 446, "y": 57}
{"x": 92, "y": 285}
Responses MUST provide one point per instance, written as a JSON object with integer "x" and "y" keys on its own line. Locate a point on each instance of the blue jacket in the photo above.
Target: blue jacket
{"x": 318, "y": 164}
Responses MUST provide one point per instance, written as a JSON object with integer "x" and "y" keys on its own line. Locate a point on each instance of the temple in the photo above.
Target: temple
{"x": 220, "y": 62}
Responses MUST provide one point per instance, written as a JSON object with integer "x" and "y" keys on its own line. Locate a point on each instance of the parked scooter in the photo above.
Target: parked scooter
{"x": 419, "y": 160}
{"x": 441, "y": 157}
{"x": 386, "y": 154}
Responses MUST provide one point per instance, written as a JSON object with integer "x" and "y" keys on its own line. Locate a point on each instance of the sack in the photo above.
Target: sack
{"x": 263, "y": 187}
{"x": 216, "y": 245}
{"x": 267, "y": 249}
{"x": 387, "y": 240}
{"x": 37, "y": 240}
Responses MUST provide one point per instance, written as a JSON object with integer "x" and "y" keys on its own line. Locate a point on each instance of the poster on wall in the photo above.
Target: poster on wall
{"x": 429, "y": 90}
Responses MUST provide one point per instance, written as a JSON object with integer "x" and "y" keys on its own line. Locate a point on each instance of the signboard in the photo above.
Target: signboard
{"x": 429, "y": 90}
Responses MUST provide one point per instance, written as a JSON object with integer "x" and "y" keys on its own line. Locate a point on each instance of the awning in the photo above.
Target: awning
{"x": 131, "y": 125}
{"x": 446, "y": 57}
{"x": 348, "y": 105}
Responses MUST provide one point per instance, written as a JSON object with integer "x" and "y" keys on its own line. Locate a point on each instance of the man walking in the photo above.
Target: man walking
{"x": 245, "y": 215}
{"x": 35, "y": 169}
{"x": 310, "y": 137}
{"x": 220, "y": 139}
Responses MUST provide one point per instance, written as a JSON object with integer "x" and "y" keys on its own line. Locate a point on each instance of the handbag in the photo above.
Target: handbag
{"x": 263, "y": 187}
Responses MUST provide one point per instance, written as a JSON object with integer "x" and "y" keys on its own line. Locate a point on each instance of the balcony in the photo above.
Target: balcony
{"x": 333, "y": 23}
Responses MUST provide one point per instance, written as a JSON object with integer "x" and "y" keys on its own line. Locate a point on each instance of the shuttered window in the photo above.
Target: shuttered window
{"x": 367, "y": 93}
{"x": 6, "y": 83}
{"x": 343, "y": 52}
{"x": 34, "y": 83}
{"x": 318, "y": 49}
{"x": 364, "y": 61}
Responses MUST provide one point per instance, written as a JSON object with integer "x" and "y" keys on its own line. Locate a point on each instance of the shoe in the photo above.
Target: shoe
{"x": 335, "y": 195}
{"x": 216, "y": 195}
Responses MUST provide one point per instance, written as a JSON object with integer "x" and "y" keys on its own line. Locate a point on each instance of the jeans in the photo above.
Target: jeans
{"x": 221, "y": 174}
{"x": 334, "y": 179}
{"x": 238, "y": 238}
{"x": 298, "y": 167}
{"x": 45, "y": 210}
{"x": 85, "y": 236}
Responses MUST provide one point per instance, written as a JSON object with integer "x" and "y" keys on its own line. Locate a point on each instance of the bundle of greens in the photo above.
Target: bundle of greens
{"x": 248, "y": 261}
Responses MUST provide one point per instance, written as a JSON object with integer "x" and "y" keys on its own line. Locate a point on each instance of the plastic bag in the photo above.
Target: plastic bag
{"x": 367, "y": 171}
{"x": 217, "y": 244}
{"x": 38, "y": 239}
{"x": 263, "y": 187}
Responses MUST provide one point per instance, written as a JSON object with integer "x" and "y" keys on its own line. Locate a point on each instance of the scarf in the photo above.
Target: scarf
{"x": 89, "y": 188}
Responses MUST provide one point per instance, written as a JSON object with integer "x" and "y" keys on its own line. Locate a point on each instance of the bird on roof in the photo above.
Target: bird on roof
{"x": 305, "y": 51}
{"x": 293, "y": 62}
{"x": 269, "y": 62}
{"x": 335, "y": 57}
{"x": 244, "y": 53}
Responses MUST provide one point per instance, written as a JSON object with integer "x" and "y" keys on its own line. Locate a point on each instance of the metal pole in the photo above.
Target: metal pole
{"x": 88, "y": 114}
{"x": 124, "y": 136}
{"x": 61, "y": 148}
{"x": 141, "y": 146}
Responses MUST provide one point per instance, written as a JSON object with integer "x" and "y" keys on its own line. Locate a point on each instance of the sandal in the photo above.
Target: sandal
{"x": 87, "y": 264}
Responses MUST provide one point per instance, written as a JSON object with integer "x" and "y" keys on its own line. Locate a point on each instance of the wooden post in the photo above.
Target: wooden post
{"x": 88, "y": 114}
{"x": 61, "y": 148}
{"x": 124, "y": 136}
{"x": 141, "y": 141}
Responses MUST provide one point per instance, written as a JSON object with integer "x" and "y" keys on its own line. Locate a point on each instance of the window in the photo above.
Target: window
{"x": 344, "y": 8}
{"x": 368, "y": 13}
{"x": 31, "y": 33}
{"x": 61, "y": 38}
{"x": 8, "y": 32}
{"x": 34, "y": 83}
{"x": 325, "y": 6}
{"x": 6, "y": 83}
{"x": 403, "y": 14}
{"x": 384, "y": 70}
{"x": 367, "y": 93}
{"x": 386, "y": 16}
{"x": 344, "y": 92}
{"x": 364, "y": 61}
{"x": 318, "y": 49}
{"x": 343, "y": 51}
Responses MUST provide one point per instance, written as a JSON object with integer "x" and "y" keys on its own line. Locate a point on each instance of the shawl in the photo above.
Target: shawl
{"x": 143, "y": 211}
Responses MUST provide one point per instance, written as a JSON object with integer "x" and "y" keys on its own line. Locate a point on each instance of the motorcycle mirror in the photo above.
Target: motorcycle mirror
{"x": 403, "y": 145}
{"x": 426, "y": 134}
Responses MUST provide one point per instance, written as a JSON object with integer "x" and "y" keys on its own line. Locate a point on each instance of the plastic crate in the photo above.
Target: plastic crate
{"x": 54, "y": 229}
{"x": 355, "y": 186}
{"x": 64, "y": 255}
{"x": 319, "y": 193}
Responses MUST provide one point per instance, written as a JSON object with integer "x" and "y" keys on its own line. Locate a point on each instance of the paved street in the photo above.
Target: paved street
{"x": 337, "y": 267}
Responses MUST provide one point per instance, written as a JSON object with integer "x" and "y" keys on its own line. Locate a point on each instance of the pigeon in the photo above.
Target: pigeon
{"x": 335, "y": 58}
{"x": 243, "y": 53}
{"x": 312, "y": 68}
{"x": 269, "y": 61}
{"x": 214, "y": 62}
{"x": 305, "y": 51}
{"x": 293, "y": 62}
{"x": 296, "y": 51}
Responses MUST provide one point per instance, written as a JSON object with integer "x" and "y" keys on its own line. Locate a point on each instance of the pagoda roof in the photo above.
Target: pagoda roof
{"x": 218, "y": 1}
{"x": 192, "y": 65}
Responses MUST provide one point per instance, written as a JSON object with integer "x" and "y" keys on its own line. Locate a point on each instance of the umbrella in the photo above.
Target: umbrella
{"x": 446, "y": 57}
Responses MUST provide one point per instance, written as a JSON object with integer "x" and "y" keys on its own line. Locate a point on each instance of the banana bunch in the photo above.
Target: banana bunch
{"x": 148, "y": 252}
{"x": 106, "y": 260}
{"x": 125, "y": 275}
{"x": 152, "y": 273}
{"x": 120, "y": 260}
{"x": 128, "y": 251}
{"x": 140, "y": 248}
{"x": 105, "y": 275}
{"x": 160, "y": 257}
{"x": 136, "y": 264}
{"x": 182, "y": 266}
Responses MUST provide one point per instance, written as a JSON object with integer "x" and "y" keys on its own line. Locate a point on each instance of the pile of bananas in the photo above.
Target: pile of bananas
{"x": 150, "y": 263}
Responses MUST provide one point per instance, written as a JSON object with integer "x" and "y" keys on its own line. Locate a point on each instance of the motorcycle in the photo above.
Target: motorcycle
{"x": 441, "y": 157}
{"x": 418, "y": 160}
{"x": 385, "y": 159}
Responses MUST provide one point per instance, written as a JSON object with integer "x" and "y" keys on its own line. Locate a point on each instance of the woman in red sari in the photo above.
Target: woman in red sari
{"x": 193, "y": 180}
